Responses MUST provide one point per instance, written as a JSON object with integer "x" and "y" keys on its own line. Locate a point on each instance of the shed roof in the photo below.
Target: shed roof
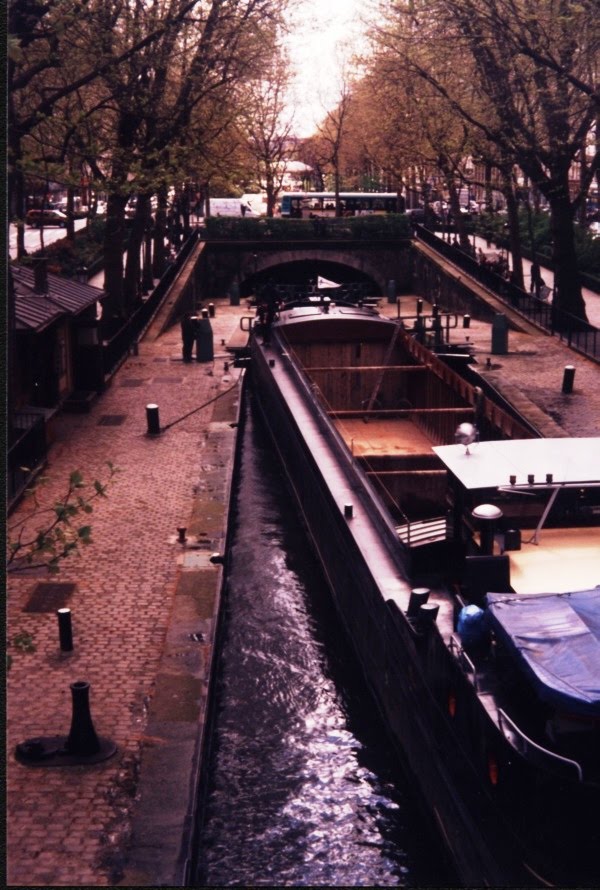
{"x": 35, "y": 311}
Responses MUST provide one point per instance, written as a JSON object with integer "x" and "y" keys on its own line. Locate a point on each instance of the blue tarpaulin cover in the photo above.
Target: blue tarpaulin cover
{"x": 556, "y": 638}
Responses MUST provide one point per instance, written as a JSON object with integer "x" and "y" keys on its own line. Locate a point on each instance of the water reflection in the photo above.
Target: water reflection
{"x": 302, "y": 787}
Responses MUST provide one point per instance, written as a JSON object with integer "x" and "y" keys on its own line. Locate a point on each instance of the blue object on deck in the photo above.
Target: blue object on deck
{"x": 556, "y": 639}
{"x": 473, "y": 628}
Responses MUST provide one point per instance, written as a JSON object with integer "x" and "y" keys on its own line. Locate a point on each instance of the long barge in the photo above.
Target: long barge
{"x": 434, "y": 513}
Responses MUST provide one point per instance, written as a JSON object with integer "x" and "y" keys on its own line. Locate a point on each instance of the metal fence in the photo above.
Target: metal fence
{"x": 575, "y": 332}
{"x": 26, "y": 453}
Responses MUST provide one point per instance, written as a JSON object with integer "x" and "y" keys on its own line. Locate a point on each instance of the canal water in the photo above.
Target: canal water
{"x": 302, "y": 786}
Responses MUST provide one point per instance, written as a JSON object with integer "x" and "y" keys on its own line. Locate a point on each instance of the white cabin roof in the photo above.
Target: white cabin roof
{"x": 491, "y": 464}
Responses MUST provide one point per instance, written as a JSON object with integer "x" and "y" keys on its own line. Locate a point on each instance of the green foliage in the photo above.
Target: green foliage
{"x": 22, "y": 642}
{"x": 394, "y": 225}
{"x": 67, "y": 257}
{"x": 587, "y": 247}
{"x": 57, "y": 534}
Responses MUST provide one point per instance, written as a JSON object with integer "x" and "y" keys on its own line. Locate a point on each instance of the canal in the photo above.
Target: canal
{"x": 301, "y": 786}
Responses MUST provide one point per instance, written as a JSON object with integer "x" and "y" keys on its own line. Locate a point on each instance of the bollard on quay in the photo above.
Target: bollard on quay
{"x": 466, "y": 321}
{"x": 211, "y": 310}
{"x": 568, "y": 378}
{"x": 152, "y": 419}
{"x": 83, "y": 746}
{"x": 65, "y": 631}
{"x": 82, "y": 740}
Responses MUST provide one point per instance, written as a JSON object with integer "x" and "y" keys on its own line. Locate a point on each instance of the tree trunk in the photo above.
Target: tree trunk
{"x": 567, "y": 287}
{"x": 132, "y": 283}
{"x": 114, "y": 242}
{"x": 514, "y": 237}
{"x": 160, "y": 228}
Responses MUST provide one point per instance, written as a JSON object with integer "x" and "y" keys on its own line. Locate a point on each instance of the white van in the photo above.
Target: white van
{"x": 231, "y": 207}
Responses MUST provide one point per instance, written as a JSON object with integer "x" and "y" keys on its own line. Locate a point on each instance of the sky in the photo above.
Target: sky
{"x": 323, "y": 33}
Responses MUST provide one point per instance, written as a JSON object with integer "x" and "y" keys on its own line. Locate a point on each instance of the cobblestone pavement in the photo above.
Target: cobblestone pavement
{"x": 70, "y": 825}
{"x": 77, "y": 825}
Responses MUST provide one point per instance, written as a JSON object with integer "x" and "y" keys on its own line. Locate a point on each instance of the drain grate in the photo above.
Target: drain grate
{"x": 49, "y": 596}
{"x": 111, "y": 419}
{"x": 132, "y": 381}
{"x": 168, "y": 379}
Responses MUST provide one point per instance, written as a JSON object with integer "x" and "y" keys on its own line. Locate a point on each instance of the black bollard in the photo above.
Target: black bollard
{"x": 568, "y": 378}
{"x": 428, "y": 613}
{"x": 82, "y": 740}
{"x": 466, "y": 321}
{"x": 152, "y": 420}
{"x": 82, "y": 747}
{"x": 419, "y": 306}
{"x": 418, "y": 598}
{"x": 65, "y": 632}
{"x": 211, "y": 310}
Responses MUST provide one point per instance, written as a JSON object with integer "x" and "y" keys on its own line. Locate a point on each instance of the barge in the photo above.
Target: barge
{"x": 463, "y": 556}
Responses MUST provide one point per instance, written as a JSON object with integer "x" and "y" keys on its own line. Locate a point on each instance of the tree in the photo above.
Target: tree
{"x": 46, "y": 534}
{"x": 332, "y": 134}
{"x": 269, "y": 127}
{"x": 527, "y": 63}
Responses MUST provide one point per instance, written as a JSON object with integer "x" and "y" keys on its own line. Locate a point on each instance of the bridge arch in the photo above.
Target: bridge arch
{"x": 290, "y": 266}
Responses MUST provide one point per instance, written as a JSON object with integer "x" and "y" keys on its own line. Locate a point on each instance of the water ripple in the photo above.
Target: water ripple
{"x": 302, "y": 789}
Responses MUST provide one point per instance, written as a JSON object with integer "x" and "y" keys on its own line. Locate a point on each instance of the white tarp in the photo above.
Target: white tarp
{"x": 324, "y": 282}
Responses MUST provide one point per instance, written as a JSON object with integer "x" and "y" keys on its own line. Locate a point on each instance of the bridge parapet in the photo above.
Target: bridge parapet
{"x": 392, "y": 227}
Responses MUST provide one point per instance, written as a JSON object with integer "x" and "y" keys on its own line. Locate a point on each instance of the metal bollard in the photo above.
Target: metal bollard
{"x": 82, "y": 739}
{"x": 568, "y": 378}
{"x": 418, "y": 598}
{"x": 211, "y": 310}
{"x": 428, "y": 613}
{"x": 152, "y": 420}
{"x": 466, "y": 321}
{"x": 65, "y": 632}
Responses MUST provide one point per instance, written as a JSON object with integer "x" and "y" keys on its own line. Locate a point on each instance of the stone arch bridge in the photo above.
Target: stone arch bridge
{"x": 222, "y": 268}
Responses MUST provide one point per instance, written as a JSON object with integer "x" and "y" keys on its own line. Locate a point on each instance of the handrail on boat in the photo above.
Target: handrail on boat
{"x": 463, "y": 659}
{"x": 524, "y": 744}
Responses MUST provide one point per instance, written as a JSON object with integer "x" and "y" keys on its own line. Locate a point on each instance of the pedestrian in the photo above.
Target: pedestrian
{"x": 537, "y": 282}
{"x": 267, "y": 309}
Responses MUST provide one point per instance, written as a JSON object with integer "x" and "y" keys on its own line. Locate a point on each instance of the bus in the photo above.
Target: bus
{"x": 307, "y": 205}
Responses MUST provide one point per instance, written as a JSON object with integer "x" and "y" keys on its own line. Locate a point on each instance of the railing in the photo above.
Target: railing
{"x": 577, "y": 333}
{"x": 117, "y": 348}
{"x": 465, "y": 663}
{"x": 534, "y": 752}
{"x": 26, "y": 453}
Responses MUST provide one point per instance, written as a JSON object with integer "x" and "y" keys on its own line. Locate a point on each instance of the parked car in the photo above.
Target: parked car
{"x": 39, "y": 218}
